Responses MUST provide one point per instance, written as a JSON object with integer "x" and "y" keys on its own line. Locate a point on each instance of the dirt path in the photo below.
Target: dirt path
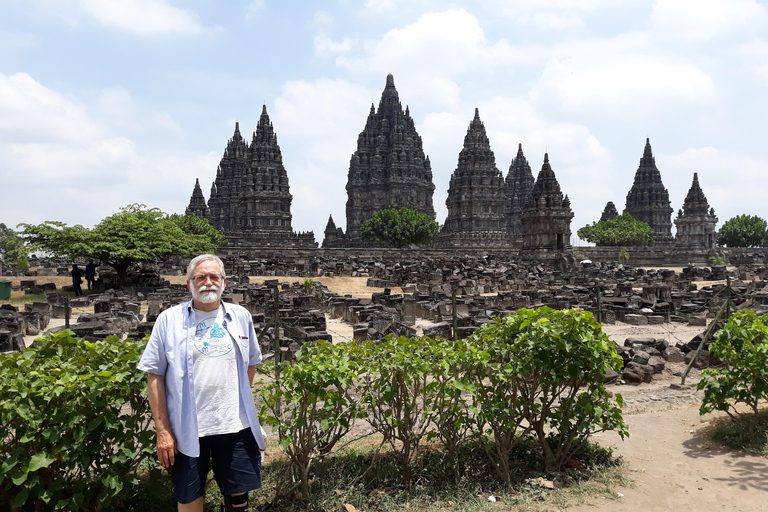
{"x": 674, "y": 468}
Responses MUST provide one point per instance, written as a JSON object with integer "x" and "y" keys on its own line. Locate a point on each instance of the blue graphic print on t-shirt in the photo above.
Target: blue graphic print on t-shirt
{"x": 212, "y": 341}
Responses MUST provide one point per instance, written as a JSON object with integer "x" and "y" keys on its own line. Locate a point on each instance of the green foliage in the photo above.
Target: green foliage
{"x": 12, "y": 249}
{"x": 743, "y": 231}
{"x": 75, "y": 422}
{"x": 623, "y": 256}
{"x": 742, "y": 344}
{"x": 308, "y": 284}
{"x": 747, "y": 433}
{"x": 400, "y": 227}
{"x": 398, "y": 393}
{"x": 553, "y": 364}
{"x": 716, "y": 261}
{"x": 310, "y": 405}
{"x": 621, "y": 230}
{"x": 136, "y": 234}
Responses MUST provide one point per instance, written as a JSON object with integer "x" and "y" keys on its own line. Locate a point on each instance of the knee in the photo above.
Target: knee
{"x": 236, "y": 503}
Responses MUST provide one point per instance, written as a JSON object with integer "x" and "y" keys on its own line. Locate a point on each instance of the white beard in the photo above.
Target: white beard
{"x": 207, "y": 294}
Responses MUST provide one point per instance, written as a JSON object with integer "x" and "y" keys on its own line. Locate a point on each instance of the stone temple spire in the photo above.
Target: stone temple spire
{"x": 197, "y": 205}
{"x": 696, "y": 221}
{"x": 476, "y": 195}
{"x": 233, "y": 168}
{"x": 388, "y": 168}
{"x": 648, "y": 200}
{"x": 250, "y": 198}
{"x": 547, "y": 214}
{"x": 609, "y": 212}
{"x": 518, "y": 185}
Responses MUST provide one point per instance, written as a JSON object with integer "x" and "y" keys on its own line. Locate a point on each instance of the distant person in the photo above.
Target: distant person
{"x": 77, "y": 280}
{"x": 90, "y": 274}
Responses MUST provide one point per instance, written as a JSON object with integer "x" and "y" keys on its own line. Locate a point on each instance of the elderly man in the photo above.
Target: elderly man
{"x": 201, "y": 360}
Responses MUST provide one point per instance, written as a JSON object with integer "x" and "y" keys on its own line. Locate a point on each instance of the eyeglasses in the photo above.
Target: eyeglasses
{"x": 202, "y": 278}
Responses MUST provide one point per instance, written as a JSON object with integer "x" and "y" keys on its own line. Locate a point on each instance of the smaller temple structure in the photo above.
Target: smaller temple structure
{"x": 519, "y": 184}
{"x": 609, "y": 212}
{"x": 648, "y": 200}
{"x": 546, "y": 218}
{"x": 476, "y": 196}
{"x": 696, "y": 221}
{"x": 197, "y": 205}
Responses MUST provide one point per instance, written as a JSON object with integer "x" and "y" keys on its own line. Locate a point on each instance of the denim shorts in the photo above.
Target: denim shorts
{"x": 236, "y": 461}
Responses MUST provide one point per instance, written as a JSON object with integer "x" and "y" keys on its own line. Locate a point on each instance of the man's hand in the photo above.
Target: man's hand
{"x": 166, "y": 441}
{"x": 166, "y": 448}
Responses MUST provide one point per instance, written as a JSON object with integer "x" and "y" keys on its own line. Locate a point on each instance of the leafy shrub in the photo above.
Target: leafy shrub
{"x": 75, "y": 423}
{"x": 400, "y": 227}
{"x": 398, "y": 391}
{"x": 742, "y": 344}
{"x": 743, "y": 231}
{"x": 618, "y": 231}
{"x": 549, "y": 366}
{"x": 310, "y": 405}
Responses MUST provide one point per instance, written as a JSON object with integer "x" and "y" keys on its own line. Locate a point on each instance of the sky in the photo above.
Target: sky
{"x": 106, "y": 103}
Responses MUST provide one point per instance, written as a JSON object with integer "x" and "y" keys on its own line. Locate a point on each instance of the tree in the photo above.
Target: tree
{"x": 11, "y": 245}
{"x": 619, "y": 231}
{"x": 743, "y": 231}
{"x": 400, "y": 227}
{"x": 136, "y": 234}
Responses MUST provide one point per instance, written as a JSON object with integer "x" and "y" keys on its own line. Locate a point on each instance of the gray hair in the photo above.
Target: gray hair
{"x": 204, "y": 257}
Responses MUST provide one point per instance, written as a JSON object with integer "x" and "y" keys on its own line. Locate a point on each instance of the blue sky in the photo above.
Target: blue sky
{"x": 105, "y": 103}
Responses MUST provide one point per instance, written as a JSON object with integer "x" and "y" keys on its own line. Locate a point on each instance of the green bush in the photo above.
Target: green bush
{"x": 618, "y": 231}
{"x": 310, "y": 405}
{"x": 400, "y": 227}
{"x": 398, "y": 393}
{"x": 75, "y": 422}
{"x": 743, "y": 231}
{"x": 742, "y": 344}
{"x": 548, "y": 367}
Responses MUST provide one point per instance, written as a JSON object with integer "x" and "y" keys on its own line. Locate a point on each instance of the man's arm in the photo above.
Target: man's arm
{"x": 251, "y": 374}
{"x": 166, "y": 442}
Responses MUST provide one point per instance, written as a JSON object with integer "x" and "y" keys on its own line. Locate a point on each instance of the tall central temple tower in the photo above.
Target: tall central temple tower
{"x": 389, "y": 168}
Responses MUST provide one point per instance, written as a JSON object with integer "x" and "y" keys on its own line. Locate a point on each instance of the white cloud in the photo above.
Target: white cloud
{"x": 32, "y": 112}
{"x": 557, "y": 21}
{"x": 378, "y": 6}
{"x": 617, "y": 84}
{"x": 254, "y": 8}
{"x": 144, "y": 17}
{"x": 116, "y": 105}
{"x": 324, "y": 44}
{"x": 64, "y": 164}
{"x": 702, "y": 20}
{"x": 755, "y": 58}
{"x": 717, "y": 168}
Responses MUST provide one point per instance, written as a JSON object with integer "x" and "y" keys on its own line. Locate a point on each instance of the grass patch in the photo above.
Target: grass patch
{"x": 747, "y": 433}
{"x": 370, "y": 481}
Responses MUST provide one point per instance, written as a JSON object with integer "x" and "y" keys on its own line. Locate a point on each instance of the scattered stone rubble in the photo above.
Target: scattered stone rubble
{"x": 486, "y": 288}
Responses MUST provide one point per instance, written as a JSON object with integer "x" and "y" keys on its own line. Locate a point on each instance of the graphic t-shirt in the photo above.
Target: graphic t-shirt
{"x": 215, "y": 373}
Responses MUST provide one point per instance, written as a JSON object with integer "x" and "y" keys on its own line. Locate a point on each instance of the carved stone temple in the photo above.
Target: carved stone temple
{"x": 648, "y": 200}
{"x": 609, "y": 212}
{"x": 477, "y": 199}
{"x": 696, "y": 221}
{"x": 250, "y": 198}
{"x": 546, "y": 217}
{"x": 519, "y": 185}
{"x": 388, "y": 169}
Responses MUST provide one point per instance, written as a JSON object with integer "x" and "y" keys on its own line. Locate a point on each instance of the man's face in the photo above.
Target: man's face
{"x": 206, "y": 283}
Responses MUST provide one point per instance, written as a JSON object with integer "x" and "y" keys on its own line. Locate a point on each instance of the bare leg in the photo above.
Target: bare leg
{"x": 195, "y": 506}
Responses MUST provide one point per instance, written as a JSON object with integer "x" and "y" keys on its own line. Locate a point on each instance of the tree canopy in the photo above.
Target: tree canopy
{"x": 400, "y": 227}
{"x": 743, "y": 231}
{"x": 623, "y": 230}
{"x": 12, "y": 247}
{"x": 136, "y": 234}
